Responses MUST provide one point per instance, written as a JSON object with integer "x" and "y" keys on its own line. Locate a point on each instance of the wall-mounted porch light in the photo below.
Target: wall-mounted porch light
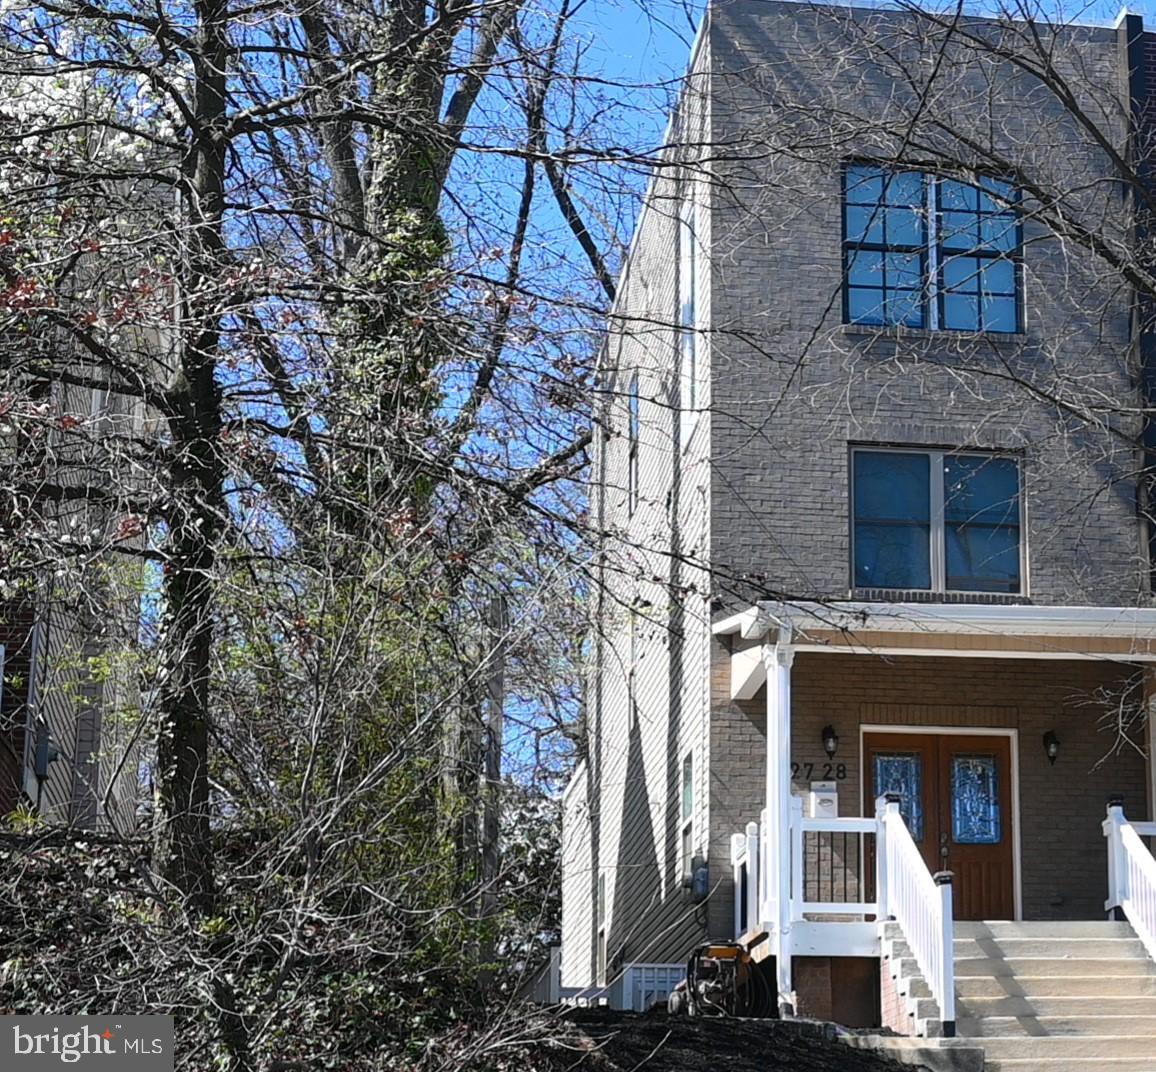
{"x": 830, "y": 740}
{"x": 1051, "y": 746}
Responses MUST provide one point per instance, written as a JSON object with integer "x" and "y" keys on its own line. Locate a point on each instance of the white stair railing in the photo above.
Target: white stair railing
{"x": 920, "y": 903}
{"x": 1131, "y": 873}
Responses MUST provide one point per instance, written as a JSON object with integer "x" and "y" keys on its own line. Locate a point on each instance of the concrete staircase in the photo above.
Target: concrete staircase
{"x": 1055, "y": 997}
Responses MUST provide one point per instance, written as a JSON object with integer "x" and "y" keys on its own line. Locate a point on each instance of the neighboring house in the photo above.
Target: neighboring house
{"x": 842, "y": 502}
{"x": 69, "y": 748}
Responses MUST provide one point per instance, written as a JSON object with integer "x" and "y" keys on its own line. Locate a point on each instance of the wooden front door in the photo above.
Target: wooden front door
{"x": 955, "y": 796}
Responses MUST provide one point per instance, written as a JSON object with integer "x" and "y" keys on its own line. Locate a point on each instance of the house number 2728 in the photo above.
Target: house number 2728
{"x": 823, "y": 771}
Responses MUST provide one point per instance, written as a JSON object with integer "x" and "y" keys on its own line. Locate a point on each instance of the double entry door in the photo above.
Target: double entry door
{"x": 955, "y": 796}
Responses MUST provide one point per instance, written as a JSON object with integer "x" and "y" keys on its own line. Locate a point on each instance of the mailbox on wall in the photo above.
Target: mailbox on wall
{"x": 823, "y": 800}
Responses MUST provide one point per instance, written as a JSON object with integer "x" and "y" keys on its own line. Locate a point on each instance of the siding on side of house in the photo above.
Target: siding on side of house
{"x": 17, "y": 624}
{"x": 645, "y": 719}
{"x": 577, "y": 907}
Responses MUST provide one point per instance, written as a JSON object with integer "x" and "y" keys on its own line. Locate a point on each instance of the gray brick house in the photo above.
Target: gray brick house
{"x": 872, "y": 474}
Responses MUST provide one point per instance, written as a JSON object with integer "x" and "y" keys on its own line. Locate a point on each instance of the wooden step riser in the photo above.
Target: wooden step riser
{"x": 996, "y": 967}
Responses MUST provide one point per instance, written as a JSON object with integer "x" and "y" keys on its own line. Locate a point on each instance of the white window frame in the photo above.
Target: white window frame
{"x": 686, "y": 819}
{"x": 938, "y": 533}
{"x": 632, "y": 670}
{"x": 633, "y": 435}
{"x": 600, "y": 952}
{"x": 688, "y": 335}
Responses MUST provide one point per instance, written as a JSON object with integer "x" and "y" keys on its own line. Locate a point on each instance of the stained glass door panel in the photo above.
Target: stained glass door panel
{"x": 906, "y": 764}
{"x": 901, "y": 773}
{"x": 975, "y": 791}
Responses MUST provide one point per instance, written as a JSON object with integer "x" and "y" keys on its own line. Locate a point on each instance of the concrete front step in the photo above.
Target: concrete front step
{"x": 1061, "y": 1047}
{"x": 974, "y": 1008}
{"x": 927, "y": 1054}
{"x": 998, "y": 967}
{"x": 1075, "y": 948}
{"x": 1075, "y": 1064}
{"x": 1037, "y": 1026}
{"x": 1043, "y": 929}
{"x": 1056, "y": 985}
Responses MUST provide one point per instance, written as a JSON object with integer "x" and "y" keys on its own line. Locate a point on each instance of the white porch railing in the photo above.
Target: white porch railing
{"x": 920, "y": 903}
{"x": 905, "y": 890}
{"x": 1131, "y": 873}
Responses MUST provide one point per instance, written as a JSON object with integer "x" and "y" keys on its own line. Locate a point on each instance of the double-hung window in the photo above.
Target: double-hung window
{"x": 632, "y": 434}
{"x": 927, "y": 252}
{"x": 935, "y": 521}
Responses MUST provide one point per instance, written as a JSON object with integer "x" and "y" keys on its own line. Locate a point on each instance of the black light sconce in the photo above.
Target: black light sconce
{"x": 1051, "y": 746}
{"x": 830, "y": 741}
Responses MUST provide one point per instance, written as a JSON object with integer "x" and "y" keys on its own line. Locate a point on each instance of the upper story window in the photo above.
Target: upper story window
{"x": 935, "y": 521}
{"x": 687, "y": 297}
{"x": 633, "y": 430}
{"x": 930, "y": 253}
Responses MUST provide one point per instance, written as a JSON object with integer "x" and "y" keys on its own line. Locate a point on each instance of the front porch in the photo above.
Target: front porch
{"x": 950, "y": 696}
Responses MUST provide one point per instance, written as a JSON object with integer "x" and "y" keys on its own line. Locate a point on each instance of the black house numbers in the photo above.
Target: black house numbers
{"x": 823, "y": 772}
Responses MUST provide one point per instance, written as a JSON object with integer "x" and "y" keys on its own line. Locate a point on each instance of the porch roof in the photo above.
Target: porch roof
{"x": 1125, "y": 634}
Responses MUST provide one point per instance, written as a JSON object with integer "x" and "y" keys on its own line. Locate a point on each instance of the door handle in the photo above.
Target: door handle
{"x": 943, "y": 852}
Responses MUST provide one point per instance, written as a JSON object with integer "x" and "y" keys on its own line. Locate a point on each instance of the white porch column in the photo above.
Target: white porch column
{"x": 778, "y": 658}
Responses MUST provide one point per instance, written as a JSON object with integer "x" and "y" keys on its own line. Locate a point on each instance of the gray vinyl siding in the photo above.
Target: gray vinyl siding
{"x": 654, "y": 562}
{"x": 577, "y": 862}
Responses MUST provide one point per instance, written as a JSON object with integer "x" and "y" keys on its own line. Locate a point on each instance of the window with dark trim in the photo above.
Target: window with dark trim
{"x": 928, "y": 252}
{"x": 979, "y": 246}
{"x": 936, "y": 521}
{"x": 884, "y": 245}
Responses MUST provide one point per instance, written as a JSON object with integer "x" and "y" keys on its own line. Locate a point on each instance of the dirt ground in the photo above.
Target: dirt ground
{"x": 625, "y": 1042}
